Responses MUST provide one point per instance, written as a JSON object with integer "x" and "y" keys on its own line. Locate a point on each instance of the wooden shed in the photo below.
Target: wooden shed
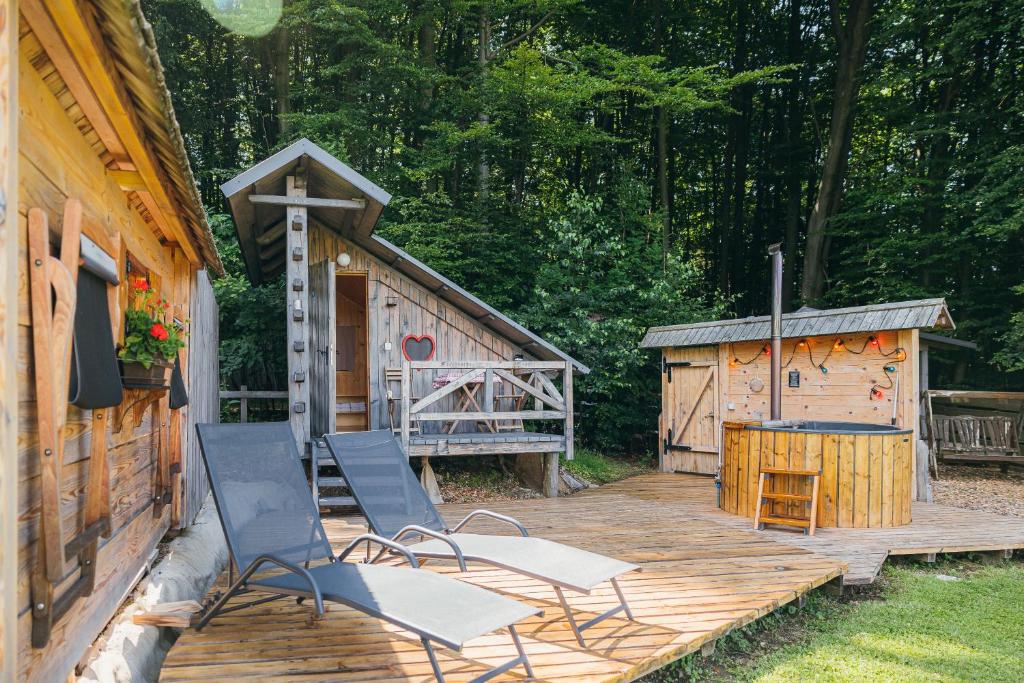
{"x": 377, "y": 339}
{"x": 858, "y": 364}
{"x": 95, "y": 177}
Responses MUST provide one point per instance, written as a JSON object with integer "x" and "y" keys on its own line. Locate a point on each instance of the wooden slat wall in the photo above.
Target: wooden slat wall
{"x": 418, "y": 311}
{"x": 321, "y": 400}
{"x": 57, "y": 160}
{"x": 866, "y": 480}
{"x": 8, "y": 335}
{"x": 842, "y": 394}
{"x": 203, "y": 386}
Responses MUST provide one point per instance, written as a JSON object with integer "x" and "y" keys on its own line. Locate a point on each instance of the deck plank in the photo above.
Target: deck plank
{"x": 705, "y": 573}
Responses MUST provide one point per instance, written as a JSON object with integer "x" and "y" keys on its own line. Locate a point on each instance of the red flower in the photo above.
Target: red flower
{"x": 158, "y": 332}
{"x": 141, "y": 284}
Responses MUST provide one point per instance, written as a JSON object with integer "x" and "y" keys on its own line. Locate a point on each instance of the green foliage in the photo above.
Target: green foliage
{"x": 252, "y": 338}
{"x": 599, "y": 286}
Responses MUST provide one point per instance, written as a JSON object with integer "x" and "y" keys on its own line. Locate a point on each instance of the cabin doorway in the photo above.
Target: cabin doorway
{"x": 351, "y": 362}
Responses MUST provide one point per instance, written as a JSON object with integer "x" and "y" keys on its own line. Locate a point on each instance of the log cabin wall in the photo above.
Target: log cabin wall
{"x": 417, "y": 311}
{"x": 60, "y": 156}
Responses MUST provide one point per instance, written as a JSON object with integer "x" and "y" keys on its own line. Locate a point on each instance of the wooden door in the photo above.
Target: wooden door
{"x": 690, "y": 410}
{"x": 321, "y": 348}
{"x": 351, "y": 356}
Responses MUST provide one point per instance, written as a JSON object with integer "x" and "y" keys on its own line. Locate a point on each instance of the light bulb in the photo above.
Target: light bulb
{"x": 344, "y": 259}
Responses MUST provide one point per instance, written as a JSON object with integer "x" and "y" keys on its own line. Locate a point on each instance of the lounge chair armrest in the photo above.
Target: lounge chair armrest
{"x": 380, "y": 540}
{"x": 423, "y": 531}
{"x": 318, "y": 599}
{"x": 493, "y": 515}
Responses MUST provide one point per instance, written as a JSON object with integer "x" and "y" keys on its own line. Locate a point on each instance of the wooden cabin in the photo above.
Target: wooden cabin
{"x": 95, "y": 175}
{"x": 860, "y": 364}
{"x": 376, "y": 339}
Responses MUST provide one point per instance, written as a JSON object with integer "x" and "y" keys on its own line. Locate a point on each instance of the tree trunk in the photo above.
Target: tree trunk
{"x": 661, "y": 154}
{"x": 484, "y": 166}
{"x": 275, "y": 56}
{"x": 794, "y": 126}
{"x": 427, "y": 45}
{"x": 851, "y": 39}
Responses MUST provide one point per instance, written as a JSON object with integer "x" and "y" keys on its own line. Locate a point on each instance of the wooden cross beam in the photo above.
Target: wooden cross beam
{"x": 308, "y": 202}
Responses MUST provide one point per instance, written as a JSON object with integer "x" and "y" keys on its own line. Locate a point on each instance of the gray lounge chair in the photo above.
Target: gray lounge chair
{"x": 270, "y": 521}
{"x": 397, "y": 507}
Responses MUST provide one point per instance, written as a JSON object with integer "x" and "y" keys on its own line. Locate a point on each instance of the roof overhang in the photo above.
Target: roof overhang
{"x": 898, "y": 315}
{"x": 260, "y": 226}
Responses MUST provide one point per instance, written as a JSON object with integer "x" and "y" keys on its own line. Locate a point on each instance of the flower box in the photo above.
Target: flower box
{"x": 135, "y": 375}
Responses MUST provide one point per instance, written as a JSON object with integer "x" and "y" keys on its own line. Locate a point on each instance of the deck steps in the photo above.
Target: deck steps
{"x": 324, "y": 474}
{"x": 802, "y": 522}
{"x": 793, "y": 497}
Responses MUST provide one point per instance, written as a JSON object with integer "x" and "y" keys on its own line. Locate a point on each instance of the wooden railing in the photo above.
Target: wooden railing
{"x": 995, "y": 435}
{"x": 494, "y": 394}
{"x": 244, "y": 395}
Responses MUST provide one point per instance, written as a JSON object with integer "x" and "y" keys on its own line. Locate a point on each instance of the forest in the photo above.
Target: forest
{"x": 596, "y": 167}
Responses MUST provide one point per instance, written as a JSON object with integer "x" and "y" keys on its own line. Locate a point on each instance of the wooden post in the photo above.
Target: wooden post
{"x": 550, "y": 475}
{"x": 406, "y": 404}
{"x": 297, "y": 268}
{"x": 8, "y": 336}
{"x": 570, "y": 428}
{"x": 243, "y": 405}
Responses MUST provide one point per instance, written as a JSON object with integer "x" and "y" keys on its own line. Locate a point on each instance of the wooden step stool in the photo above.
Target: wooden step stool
{"x": 808, "y": 523}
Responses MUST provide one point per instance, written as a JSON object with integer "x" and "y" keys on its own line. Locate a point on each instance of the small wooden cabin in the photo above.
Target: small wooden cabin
{"x": 857, "y": 364}
{"x": 94, "y": 173}
{"x": 377, "y": 339}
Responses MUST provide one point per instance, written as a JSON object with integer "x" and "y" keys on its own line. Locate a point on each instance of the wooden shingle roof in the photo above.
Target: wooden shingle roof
{"x": 807, "y": 322}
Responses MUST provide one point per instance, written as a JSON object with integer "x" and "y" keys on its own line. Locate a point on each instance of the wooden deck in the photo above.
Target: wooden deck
{"x": 704, "y": 573}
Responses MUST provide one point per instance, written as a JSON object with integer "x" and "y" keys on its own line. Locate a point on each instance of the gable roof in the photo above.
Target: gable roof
{"x": 260, "y": 230}
{"x": 807, "y": 322}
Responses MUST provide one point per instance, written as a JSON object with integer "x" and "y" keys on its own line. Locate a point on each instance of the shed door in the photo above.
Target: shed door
{"x": 689, "y": 411}
{"x": 321, "y": 348}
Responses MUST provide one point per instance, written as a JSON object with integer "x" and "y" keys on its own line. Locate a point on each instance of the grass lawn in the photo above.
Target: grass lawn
{"x": 916, "y": 627}
{"x": 597, "y": 468}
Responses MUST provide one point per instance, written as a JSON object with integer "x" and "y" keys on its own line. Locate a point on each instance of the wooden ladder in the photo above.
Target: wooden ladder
{"x": 764, "y": 498}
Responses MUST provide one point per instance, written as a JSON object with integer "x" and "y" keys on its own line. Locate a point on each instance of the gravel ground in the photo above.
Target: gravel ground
{"x": 981, "y": 488}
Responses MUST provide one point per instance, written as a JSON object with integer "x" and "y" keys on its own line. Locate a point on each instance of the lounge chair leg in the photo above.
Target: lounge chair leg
{"x": 219, "y": 604}
{"x": 433, "y": 660}
{"x": 569, "y": 616}
{"x": 622, "y": 599}
{"x": 522, "y": 652}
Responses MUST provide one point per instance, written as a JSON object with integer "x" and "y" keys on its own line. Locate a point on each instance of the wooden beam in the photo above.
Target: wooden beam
{"x": 308, "y": 202}
{"x": 129, "y": 181}
{"x": 85, "y": 58}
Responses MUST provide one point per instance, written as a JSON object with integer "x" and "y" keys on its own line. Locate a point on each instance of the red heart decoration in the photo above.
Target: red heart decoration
{"x": 418, "y": 347}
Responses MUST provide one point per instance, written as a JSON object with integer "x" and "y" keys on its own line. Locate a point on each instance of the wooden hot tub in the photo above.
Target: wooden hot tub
{"x": 866, "y": 470}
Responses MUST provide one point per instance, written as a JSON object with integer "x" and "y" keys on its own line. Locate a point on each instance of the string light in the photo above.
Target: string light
{"x": 877, "y": 393}
{"x": 838, "y": 345}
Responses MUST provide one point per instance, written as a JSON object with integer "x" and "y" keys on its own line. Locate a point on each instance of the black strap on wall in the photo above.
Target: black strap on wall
{"x": 95, "y": 379}
{"x": 178, "y": 397}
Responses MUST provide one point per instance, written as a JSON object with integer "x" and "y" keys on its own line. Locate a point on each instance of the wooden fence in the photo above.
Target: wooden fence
{"x": 244, "y": 395}
{"x": 203, "y": 383}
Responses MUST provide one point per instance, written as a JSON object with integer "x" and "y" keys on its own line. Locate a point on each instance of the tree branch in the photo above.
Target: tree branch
{"x": 525, "y": 34}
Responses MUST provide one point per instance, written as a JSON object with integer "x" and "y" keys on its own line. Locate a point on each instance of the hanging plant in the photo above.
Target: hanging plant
{"x": 150, "y": 339}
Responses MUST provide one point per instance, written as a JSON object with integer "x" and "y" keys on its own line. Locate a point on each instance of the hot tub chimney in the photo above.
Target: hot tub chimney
{"x": 775, "y": 251}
